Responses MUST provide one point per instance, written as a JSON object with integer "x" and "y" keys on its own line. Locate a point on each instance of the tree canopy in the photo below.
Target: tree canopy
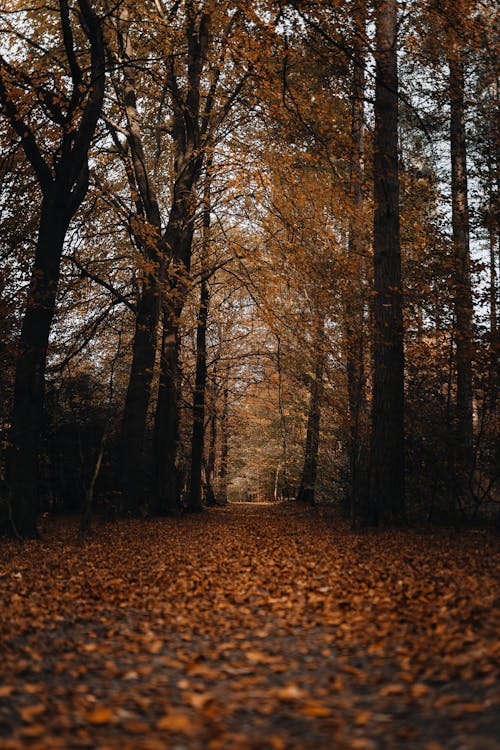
{"x": 249, "y": 250}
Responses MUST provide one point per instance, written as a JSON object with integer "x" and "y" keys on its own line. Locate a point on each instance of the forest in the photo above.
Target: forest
{"x": 249, "y": 253}
{"x": 249, "y": 455}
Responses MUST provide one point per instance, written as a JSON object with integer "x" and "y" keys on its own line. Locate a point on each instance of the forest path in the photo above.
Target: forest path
{"x": 249, "y": 628}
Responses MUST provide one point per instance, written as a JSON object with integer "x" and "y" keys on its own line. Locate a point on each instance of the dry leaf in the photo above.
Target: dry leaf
{"x": 176, "y": 722}
{"x": 100, "y": 715}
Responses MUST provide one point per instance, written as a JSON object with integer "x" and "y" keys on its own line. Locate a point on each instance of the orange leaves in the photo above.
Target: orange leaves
{"x": 100, "y": 715}
{"x": 199, "y": 701}
{"x": 393, "y": 689}
{"x": 257, "y": 657}
{"x": 253, "y": 627}
{"x": 314, "y": 709}
{"x": 31, "y": 712}
{"x": 361, "y": 718}
{"x": 176, "y": 721}
{"x": 291, "y": 692}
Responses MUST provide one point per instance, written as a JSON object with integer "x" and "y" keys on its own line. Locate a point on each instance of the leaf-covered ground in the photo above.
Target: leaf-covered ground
{"x": 249, "y": 627}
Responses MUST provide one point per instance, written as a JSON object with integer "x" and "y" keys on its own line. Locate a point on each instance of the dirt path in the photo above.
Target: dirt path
{"x": 249, "y": 627}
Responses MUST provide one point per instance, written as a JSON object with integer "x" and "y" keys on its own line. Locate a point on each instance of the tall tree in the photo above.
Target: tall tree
{"x": 355, "y": 296}
{"x": 200, "y": 105}
{"x": 462, "y": 271}
{"x": 198, "y": 431}
{"x": 307, "y": 486}
{"x": 187, "y": 133}
{"x": 387, "y": 490}
{"x": 146, "y": 228}
{"x": 55, "y": 116}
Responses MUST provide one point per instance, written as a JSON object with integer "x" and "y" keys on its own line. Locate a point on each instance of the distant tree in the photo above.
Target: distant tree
{"x": 307, "y": 485}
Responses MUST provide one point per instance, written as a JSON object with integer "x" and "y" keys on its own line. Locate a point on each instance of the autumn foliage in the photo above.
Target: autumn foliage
{"x": 249, "y": 627}
{"x": 249, "y": 456}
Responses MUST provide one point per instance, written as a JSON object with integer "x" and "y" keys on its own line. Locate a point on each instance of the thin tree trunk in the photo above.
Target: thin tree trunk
{"x": 358, "y": 458}
{"x": 198, "y": 433}
{"x": 494, "y": 377}
{"x": 462, "y": 280}
{"x": 86, "y": 520}
{"x": 307, "y": 487}
{"x": 210, "y": 463}
{"x": 387, "y": 503}
{"x": 224, "y": 445}
{"x": 494, "y": 247}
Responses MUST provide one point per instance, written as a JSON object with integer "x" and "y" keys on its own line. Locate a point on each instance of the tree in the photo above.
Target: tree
{"x": 387, "y": 493}
{"x": 55, "y": 131}
{"x": 200, "y": 105}
{"x": 146, "y": 229}
{"x": 355, "y": 294}
{"x": 307, "y": 486}
{"x": 198, "y": 432}
{"x": 462, "y": 271}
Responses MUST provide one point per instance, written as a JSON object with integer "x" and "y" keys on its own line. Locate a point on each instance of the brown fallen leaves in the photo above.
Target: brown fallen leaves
{"x": 249, "y": 628}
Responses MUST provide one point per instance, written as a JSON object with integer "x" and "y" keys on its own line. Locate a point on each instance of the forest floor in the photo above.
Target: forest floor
{"x": 249, "y": 628}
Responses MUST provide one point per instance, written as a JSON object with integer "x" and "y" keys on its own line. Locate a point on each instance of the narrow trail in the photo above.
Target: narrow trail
{"x": 248, "y": 628}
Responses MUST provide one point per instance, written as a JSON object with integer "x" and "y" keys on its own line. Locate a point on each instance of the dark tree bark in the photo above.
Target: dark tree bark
{"x": 188, "y": 127}
{"x": 166, "y": 498}
{"x": 179, "y": 237}
{"x": 193, "y": 133}
{"x": 494, "y": 237}
{"x": 307, "y": 486}
{"x": 85, "y": 528}
{"x": 224, "y": 445}
{"x": 133, "y": 432}
{"x": 29, "y": 388}
{"x": 210, "y": 462}
{"x": 64, "y": 185}
{"x": 387, "y": 503}
{"x": 148, "y": 237}
{"x": 198, "y": 433}
{"x": 358, "y": 416}
{"x": 462, "y": 281}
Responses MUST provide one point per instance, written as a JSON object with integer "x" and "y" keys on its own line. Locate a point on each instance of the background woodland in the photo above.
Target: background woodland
{"x": 249, "y": 251}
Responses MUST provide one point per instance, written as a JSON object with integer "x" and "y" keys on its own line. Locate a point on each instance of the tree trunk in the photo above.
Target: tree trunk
{"x": 148, "y": 237}
{"x": 494, "y": 241}
{"x": 494, "y": 374}
{"x": 29, "y": 390}
{"x": 307, "y": 485}
{"x": 387, "y": 503}
{"x": 224, "y": 445}
{"x": 210, "y": 463}
{"x": 64, "y": 182}
{"x": 166, "y": 490}
{"x": 132, "y": 460}
{"x": 358, "y": 438}
{"x": 462, "y": 280}
{"x": 86, "y": 519}
{"x": 199, "y": 401}
{"x": 198, "y": 433}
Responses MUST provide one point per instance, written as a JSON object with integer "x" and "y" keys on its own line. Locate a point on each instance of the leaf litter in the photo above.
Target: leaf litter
{"x": 249, "y": 628}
